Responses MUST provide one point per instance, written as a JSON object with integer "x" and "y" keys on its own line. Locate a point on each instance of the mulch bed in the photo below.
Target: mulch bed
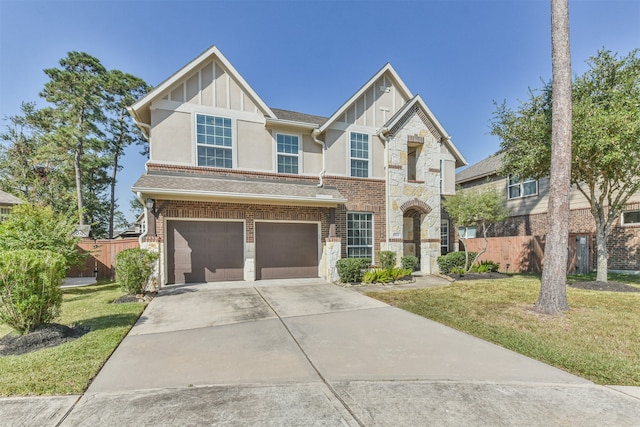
{"x": 146, "y": 297}
{"x": 45, "y": 336}
{"x": 604, "y": 286}
{"x": 478, "y": 276}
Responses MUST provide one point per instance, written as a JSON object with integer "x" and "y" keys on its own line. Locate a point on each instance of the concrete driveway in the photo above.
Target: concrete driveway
{"x": 298, "y": 353}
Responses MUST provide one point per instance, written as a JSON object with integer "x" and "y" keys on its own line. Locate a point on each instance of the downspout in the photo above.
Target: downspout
{"x": 314, "y": 134}
{"x": 382, "y": 136}
{"x": 146, "y": 220}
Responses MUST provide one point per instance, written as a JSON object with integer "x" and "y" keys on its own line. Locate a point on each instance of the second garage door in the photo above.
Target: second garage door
{"x": 286, "y": 250}
{"x": 205, "y": 251}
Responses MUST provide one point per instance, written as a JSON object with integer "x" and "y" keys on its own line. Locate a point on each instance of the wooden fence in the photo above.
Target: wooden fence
{"x": 525, "y": 254}
{"x": 101, "y": 257}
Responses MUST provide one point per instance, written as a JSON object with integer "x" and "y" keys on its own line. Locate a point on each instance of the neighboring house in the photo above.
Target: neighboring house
{"x": 237, "y": 190}
{"x": 528, "y": 199}
{"x": 7, "y": 201}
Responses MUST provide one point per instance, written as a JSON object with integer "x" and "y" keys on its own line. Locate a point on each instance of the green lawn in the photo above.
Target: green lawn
{"x": 69, "y": 368}
{"x": 598, "y": 339}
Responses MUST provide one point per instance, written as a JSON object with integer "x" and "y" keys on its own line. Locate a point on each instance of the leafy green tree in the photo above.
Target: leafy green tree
{"x": 605, "y": 161}
{"x": 122, "y": 91}
{"x": 76, "y": 92}
{"x": 39, "y": 227}
{"x": 471, "y": 207}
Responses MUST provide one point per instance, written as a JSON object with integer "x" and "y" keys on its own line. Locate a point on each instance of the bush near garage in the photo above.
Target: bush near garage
{"x": 453, "y": 260}
{"x": 30, "y": 293}
{"x": 134, "y": 268}
{"x": 351, "y": 270}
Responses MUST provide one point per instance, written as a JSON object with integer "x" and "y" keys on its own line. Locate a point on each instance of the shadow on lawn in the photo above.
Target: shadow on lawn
{"x": 110, "y": 321}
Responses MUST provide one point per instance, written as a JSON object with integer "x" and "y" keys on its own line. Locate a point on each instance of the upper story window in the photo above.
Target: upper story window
{"x": 517, "y": 188}
{"x": 214, "y": 141}
{"x": 630, "y": 218}
{"x": 288, "y": 153}
{"x": 359, "y": 154}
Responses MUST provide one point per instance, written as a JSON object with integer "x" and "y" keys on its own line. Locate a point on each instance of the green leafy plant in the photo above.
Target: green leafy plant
{"x": 452, "y": 260}
{"x": 409, "y": 262}
{"x": 30, "y": 292}
{"x": 387, "y": 259}
{"x": 486, "y": 266}
{"x": 351, "y": 270}
{"x": 133, "y": 269}
{"x": 385, "y": 275}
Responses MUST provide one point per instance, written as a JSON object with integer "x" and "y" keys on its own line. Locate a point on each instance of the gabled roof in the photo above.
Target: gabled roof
{"x": 212, "y": 53}
{"x": 8, "y": 199}
{"x": 386, "y": 69}
{"x": 417, "y": 102}
{"x": 482, "y": 169}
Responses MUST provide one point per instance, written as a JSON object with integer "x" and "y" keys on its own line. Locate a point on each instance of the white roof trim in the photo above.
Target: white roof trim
{"x": 324, "y": 200}
{"x": 180, "y": 74}
{"x": 386, "y": 69}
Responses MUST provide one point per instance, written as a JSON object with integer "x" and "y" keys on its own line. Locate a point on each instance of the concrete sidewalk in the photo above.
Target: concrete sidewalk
{"x": 308, "y": 353}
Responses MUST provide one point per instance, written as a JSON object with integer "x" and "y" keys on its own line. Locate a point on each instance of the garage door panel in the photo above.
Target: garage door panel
{"x": 286, "y": 250}
{"x": 205, "y": 251}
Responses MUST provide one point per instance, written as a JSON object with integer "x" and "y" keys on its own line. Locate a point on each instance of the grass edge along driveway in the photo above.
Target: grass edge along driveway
{"x": 70, "y": 367}
{"x": 598, "y": 339}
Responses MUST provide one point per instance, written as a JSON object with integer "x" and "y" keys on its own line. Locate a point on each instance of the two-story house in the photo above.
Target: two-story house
{"x": 528, "y": 200}
{"x": 238, "y": 190}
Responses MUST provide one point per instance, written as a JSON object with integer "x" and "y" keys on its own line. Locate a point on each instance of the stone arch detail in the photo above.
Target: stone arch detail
{"x": 416, "y": 204}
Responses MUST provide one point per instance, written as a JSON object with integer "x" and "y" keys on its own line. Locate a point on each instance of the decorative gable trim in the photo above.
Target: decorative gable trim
{"x": 386, "y": 69}
{"x": 213, "y": 53}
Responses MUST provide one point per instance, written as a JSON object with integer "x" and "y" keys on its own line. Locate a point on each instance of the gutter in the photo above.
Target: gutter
{"x": 382, "y": 135}
{"x": 146, "y": 219}
{"x": 314, "y": 134}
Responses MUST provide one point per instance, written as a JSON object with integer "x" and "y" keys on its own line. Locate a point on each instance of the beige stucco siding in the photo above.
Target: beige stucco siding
{"x": 311, "y": 156}
{"x": 254, "y": 146}
{"x": 336, "y": 154}
{"x": 338, "y": 150}
{"x": 171, "y": 137}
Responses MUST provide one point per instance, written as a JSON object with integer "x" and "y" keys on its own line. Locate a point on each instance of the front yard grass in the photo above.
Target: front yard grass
{"x": 69, "y": 368}
{"x": 598, "y": 339}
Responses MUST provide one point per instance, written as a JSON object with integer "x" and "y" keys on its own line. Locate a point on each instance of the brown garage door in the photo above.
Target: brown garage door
{"x": 205, "y": 251}
{"x": 286, "y": 250}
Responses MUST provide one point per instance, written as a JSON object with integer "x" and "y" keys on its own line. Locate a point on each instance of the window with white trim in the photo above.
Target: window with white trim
{"x": 630, "y": 218}
{"x": 360, "y": 235}
{"x": 525, "y": 188}
{"x": 359, "y": 154}
{"x": 444, "y": 236}
{"x": 467, "y": 232}
{"x": 214, "y": 141}
{"x": 288, "y": 153}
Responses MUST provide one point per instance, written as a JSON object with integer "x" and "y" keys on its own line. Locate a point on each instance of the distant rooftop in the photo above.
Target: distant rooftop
{"x": 481, "y": 169}
{"x": 295, "y": 116}
{"x": 8, "y": 199}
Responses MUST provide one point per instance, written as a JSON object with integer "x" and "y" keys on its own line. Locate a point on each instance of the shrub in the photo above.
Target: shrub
{"x": 351, "y": 269}
{"x": 30, "y": 292}
{"x": 409, "y": 262}
{"x": 387, "y": 259}
{"x": 486, "y": 266}
{"x": 133, "y": 269}
{"x": 452, "y": 260}
{"x": 37, "y": 227}
{"x": 385, "y": 275}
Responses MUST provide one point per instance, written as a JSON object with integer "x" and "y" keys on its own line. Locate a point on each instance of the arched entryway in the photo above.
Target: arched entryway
{"x": 414, "y": 214}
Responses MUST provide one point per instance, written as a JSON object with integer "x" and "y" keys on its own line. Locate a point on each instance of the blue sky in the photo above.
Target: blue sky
{"x": 311, "y": 56}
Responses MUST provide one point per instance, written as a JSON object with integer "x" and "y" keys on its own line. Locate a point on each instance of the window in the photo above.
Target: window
{"x": 359, "y": 154}
{"x": 4, "y": 213}
{"x": 630, "y": 217}
{"x": 360, "y": 235}
{"x": 467, "y": 232}
{"x": 288, "y": 153}
{"x": 444, "y": 236}
{"x": 516, "y": 189}
{"x": 214, "y": 142}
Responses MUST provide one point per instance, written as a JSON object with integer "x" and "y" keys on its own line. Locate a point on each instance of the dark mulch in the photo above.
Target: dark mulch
{"x": 478, "y": 276}
{"x": 604, "y": 286}
{"x": 45, "y": 336}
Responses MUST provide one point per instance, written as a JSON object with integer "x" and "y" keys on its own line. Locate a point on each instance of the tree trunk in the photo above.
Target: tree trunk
{"x": 112, "y": 201}
{"x": 601, "y": 251}
{"x": 77, "y": 156}
{"x": 553, "y": 289}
